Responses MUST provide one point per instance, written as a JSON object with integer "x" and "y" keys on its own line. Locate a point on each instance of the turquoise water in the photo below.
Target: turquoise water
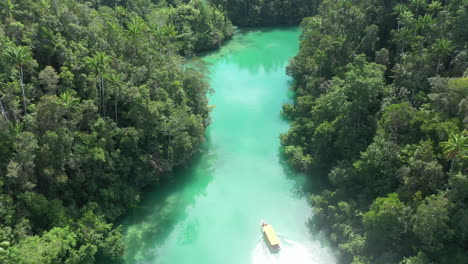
{"x": 212, "y": 213}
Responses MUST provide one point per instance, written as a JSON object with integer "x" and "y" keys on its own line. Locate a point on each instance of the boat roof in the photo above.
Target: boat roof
{"x": 271, "y": 235}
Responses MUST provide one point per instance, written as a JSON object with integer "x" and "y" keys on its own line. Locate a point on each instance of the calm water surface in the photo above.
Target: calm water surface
{"x": 211, "y": 215}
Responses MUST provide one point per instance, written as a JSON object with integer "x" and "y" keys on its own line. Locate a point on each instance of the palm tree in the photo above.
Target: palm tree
{"x": 115, "y": 30}
{"x": 406, "y": 18}
{"x": 441, "y": 48}
{"x": 114, "y": 27}
{"x": 16, "y": 128}
{"x": 158, "y": 33}
{"x": 456, "y": 146}
{"x": 97, "y": 63}
{"x": 9, "y": 8}
{"x": 45, "y": 4}
{"x": 399, "y": 8}
{"x": 418, "y": 5}
{"x": 18, "y": 56}
{"x": 165, "y": 34}
{"x": 136, "y": 26}
{"x": 399, "y": 11}
{"x": 424, "y": 23}
{"x": 67, "y": 100}
{"x": 403, "y": 38}
{"x": 170, "y": 32}
{"x": 120, "y": 13}
{"x": 117, "y": 80}
{"x": 434, "y": 7}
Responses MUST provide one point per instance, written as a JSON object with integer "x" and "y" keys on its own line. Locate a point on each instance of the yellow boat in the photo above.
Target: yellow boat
{"x": 270, "y": 236}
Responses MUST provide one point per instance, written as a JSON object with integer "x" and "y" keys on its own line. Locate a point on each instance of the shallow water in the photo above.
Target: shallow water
{"x": 211, "y": 214}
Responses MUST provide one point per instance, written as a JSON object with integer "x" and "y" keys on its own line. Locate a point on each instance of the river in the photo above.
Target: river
{"x": 211, "y": 213}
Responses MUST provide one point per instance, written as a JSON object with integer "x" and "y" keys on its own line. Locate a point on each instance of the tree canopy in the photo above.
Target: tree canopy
{"x": 380, "y": 108}
{"x": 98, "y": 99}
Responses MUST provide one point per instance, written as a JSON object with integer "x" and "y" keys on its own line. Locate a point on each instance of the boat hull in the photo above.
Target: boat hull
{"x": 270, "y": 237}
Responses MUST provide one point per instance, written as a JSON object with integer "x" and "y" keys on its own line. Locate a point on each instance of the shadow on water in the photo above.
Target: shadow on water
{"x": 304, "y": 185}
{"x": 240, "y": 35}
{"x": 249, "y": 45}
{"x": 148, "y": 225}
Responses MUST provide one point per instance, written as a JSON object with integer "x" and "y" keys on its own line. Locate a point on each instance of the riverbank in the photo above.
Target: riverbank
{"x": 214, "y": 215}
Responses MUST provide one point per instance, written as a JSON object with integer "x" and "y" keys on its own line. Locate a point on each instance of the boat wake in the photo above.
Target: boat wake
{"x": 291, "y": 252}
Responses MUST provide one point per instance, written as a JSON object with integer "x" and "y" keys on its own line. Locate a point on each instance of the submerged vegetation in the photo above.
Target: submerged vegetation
{"x": 96, "y": 102}
{"x": 382, "y": 100}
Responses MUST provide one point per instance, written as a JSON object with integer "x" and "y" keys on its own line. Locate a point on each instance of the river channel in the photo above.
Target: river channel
{"x": 211, "y": 213}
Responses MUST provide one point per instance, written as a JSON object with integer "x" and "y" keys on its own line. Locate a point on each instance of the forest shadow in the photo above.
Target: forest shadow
{"x": 312, "y": 181}
{"x": 305, "y": 184}
{"x": 162, "y": 207}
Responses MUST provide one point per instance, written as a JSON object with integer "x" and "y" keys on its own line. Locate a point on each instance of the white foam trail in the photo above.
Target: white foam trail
{"x": 291, "y": 252}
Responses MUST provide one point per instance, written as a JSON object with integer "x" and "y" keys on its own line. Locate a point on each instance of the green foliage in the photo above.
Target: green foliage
{"x": 384, "y": 222}
{"x": 296, "y": 157}
{"x": 9, "y": 8}
{"x": 397, "y": 123}
{"x": 52, "y": 247}
{"x": 455, "y": 147}
{"x": 391, "y": 135}
{"x": 49, "y": 79}
{"x": 267, "y": 13}
{"x": 341, "y": 118}
{"x": 96, "y": 103}
{"x": 192, "y": 26}
{"x": 431, "y": 222}
{"x": 420, "y": 258}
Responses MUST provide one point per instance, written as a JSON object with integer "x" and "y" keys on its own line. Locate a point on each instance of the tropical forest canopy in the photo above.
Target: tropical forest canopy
{"x": 382, "y": 108}
{"x": 267, "y": 13}
{"x": 98, "y": 99}
{"x": 96, "y": 102}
